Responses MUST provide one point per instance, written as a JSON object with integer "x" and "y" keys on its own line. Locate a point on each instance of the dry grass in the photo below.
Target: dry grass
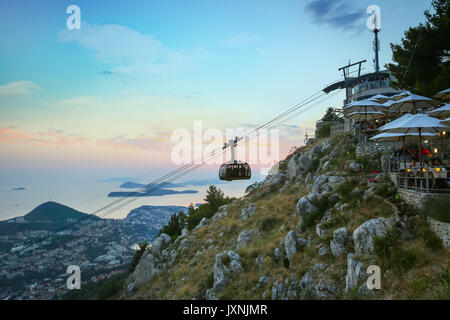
{"x": 275, "y": 215}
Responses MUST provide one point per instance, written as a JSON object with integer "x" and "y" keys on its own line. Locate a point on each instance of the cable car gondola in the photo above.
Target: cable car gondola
{"x": 234, "y": 170}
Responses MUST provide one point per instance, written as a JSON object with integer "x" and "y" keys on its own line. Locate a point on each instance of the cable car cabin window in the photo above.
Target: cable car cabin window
{"x": 232, "y": 172}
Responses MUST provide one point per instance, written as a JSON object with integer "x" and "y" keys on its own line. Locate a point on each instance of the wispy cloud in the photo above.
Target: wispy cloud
{"x": 130, "y": 51}
{"x": 338, "y": 14}
{"x": 153, "y": 141}
{"x": 49, "y": 137}
{"x": 241, "y": 39}
{"x": 18, "y": 88}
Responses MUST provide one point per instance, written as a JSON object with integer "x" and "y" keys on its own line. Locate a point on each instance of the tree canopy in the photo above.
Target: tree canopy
{"x": 426, "y": 50}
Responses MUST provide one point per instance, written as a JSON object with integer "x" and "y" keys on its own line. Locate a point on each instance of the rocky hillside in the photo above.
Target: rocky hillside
{"x": 307, "y": 232}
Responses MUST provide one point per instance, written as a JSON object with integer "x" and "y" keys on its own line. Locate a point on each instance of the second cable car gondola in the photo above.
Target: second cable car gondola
{"x": 234, "y": 170}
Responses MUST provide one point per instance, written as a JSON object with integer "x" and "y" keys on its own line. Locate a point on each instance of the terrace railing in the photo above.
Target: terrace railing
{"x": 426, "y": 180}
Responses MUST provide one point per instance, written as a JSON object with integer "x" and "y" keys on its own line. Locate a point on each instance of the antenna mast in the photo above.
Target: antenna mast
{"x": 376, "y": 45}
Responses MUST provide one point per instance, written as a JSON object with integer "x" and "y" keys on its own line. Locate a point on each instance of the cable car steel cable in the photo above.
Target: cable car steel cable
{"x": 186, "y": 168}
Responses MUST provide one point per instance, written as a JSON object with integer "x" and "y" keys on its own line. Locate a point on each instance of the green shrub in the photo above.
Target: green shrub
{"x": 268, "y": 223}
{"x": 388, "y": 249}
{"x": 111, "y": 288}
{"x": 402, "y": 259}
{"x": 386, "y": 191}
{"x": 384, "y": 245}
{"x": 369, "y": 163}
{"x": 214, "y": 199}
{"x": 282, "y": 166}
{"x": 174, "y": 227}
{"x": 438, "y": 208}
{"x": 137, "y": 255}
{"x": 423, "y": 231}
{"x": 336, "y": 221}
{"x": 324, "y": 131}
{"x": 444, "y": 278}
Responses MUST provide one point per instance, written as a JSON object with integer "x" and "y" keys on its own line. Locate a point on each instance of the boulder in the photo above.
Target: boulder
{"x": 202, "y": 223}
{"x": 245, "y": 237}
{"x": 337, "y": 244}
{"x": 355, "y": 272}
{"x": 211, "y": 295}
{"x": 322, "y": 233}
{"x": 316, "y": 150}
{"x": 326, "y": 165}
{"x": 293, "y": 168}
{"x": 320, "y": 181}
{"x": 305, "y": 208}
{"x": 323, "y": 251}
{"x": 248, "y": 212}
{"x": 317, "y": 286}
{"x": 184, "y": 232}
{"x": 354, "y": 166}
{"x": 334, "y": 181}
{"x": 340, "y": 235}
{"x": 159, "y": 244}
{"x": 227, "y": 266}
{"x": 305, "y": 162}
{"x": 278, "y": 254}
{"x": 146, "y": 269}
{"x": 363, "y": 235}
{"x": 309, "y": 178}
{"x": 326, "y": 146}
{"x": 290, "y": 244}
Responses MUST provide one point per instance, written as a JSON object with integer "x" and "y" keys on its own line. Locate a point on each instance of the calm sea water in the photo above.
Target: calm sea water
{"x": 89, "y": 196}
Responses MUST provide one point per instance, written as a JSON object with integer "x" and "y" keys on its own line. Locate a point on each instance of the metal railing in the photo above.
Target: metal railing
{"x": 424, "y": 180}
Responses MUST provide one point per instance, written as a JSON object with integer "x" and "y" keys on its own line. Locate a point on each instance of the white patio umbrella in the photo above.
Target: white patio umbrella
{"x": 412, "y": 103}
{"x": 364, "y": 106}
{"x": 446, "y": 122}
{"x": 401, "y": 95}
{"x": 393, "y": 124}
{"x": 443, "y": 95}
{"x": 389, "y": 103}
{"x": 364, "y": 115}
{"x": 441, "y": 112}
{"x": 418, "y": 123}
{"x": 392, "y": 136}
{"x": 380, "y": 98}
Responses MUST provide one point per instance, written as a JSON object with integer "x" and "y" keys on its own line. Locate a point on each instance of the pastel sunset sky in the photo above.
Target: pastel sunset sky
{"x": 105, "y": 99}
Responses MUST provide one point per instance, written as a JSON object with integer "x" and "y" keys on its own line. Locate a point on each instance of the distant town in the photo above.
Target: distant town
{"x": 35, "y": 253}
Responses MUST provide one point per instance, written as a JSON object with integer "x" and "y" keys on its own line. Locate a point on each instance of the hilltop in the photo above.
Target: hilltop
{"x": 53, "y": 211}
{"x": 307, "y": 232}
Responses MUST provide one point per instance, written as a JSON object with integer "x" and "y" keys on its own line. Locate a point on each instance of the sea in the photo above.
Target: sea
{"x": 89, "y": 196}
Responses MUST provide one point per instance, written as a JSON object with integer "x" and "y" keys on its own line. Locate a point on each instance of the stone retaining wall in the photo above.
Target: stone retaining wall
{"x": 442, "y": 229}
{"x": 417, "y": 199}
{"x": 414, "y": 198}
{"x": 372, "y": 148}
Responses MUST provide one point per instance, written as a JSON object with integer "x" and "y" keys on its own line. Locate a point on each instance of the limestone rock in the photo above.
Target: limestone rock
{"x": 309, "y": 178}
{"x": 354, "y": 166}
{"x": 355, "y": 272}
{"x": 305, "y": 162}
{"x": 293, "y": 168}
{"x": 146, "y": 269}
{"x": 305, "y": 208}
{"x": 245, "y": 237}
{"x": 227, "y": 266}
{"x": 290, "y": 244}
{"x": 363, "y": 235}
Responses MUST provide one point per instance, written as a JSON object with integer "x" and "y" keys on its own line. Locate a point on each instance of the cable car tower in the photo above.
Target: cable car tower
{"x": 234, "y": 169}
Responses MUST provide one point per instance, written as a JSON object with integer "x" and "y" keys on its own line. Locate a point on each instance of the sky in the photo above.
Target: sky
{"x": 104, "y": 100}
